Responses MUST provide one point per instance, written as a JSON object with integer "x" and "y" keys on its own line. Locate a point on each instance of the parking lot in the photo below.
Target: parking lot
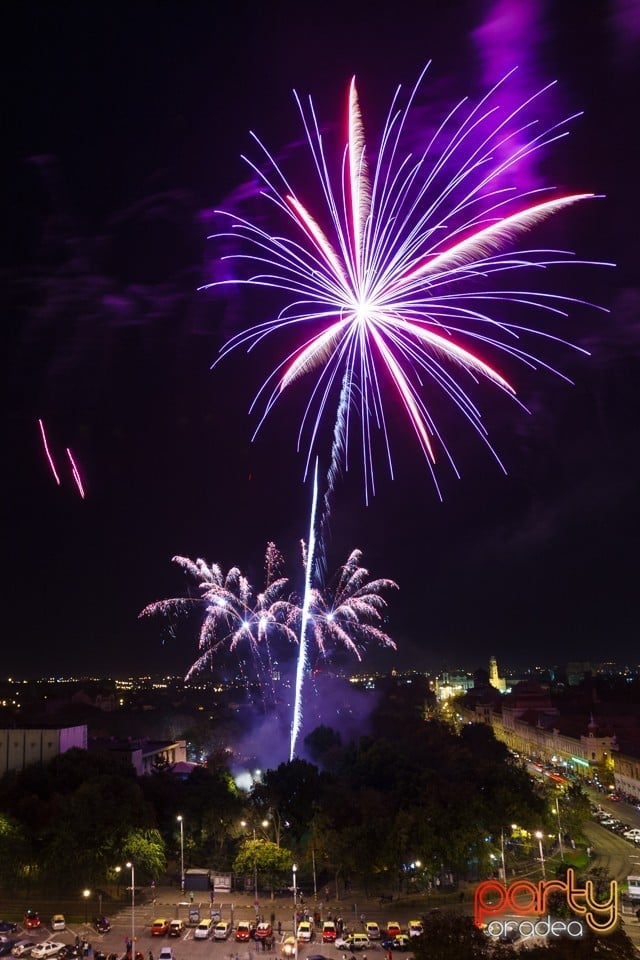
{"x": 138, "y": 923}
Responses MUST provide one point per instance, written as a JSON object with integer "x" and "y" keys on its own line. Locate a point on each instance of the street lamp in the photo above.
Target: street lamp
{"x": 264, "y": 824}
{"x": 133, "y": 910}
{"x": 86, "y": 894}
{"x": 559, "y": 830}
{"x": 539, "y": 836}
{"x": 294, "y": 870}
{"x": 181, "y": 822}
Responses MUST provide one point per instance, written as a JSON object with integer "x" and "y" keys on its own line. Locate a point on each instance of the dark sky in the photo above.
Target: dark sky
{"x": 125, "y": 124}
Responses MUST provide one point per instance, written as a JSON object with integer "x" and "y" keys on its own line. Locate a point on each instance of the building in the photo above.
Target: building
{"x": 26, "y": 747}
{"x": 530, "y": 725}
{"x": 499, "y": 683}
{"x": 147, "y": 756}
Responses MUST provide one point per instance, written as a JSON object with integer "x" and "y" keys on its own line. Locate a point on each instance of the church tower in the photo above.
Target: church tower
{"x": 496, "y": 681}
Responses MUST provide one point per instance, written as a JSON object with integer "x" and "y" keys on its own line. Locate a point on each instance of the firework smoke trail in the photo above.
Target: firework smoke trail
{"x": 48, "y": 453}
{"x": 296, "y": 722}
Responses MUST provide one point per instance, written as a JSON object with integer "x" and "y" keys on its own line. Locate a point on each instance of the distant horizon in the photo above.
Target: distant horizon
{"x": 600, "y": 666}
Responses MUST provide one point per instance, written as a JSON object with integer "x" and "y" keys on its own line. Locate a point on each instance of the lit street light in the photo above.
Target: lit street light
{"x": 181, "y": 822}
{"x": 559, "y": 830}
{"x": 294, "y": 870}
{"x": 264, "y": 824}
{"x": 133, "y": 910}
{"x": 539, "y": 836}
{"x": 86, "y": 894}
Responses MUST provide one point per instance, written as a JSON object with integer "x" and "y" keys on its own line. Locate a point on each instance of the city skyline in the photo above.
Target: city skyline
{"x": 123, "y": 137}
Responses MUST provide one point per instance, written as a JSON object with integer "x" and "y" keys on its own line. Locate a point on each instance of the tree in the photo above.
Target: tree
{"x": 292, "y": 789}
{"x": 145, "y": 848}
{"x": 452, "y": 937}
{"x": 263, "y": 860}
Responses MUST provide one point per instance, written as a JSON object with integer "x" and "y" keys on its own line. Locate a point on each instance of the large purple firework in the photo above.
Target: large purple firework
{"x": 397, "y": 281}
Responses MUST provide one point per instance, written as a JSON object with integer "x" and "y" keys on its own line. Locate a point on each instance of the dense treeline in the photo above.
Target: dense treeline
{"x": 411, "y": 791}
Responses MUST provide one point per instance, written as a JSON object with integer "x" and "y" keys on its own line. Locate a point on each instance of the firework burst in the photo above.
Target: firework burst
{"x": 234, "y": 616}
{"x": 350, "y": 612}
{"x": 396, "y": 283}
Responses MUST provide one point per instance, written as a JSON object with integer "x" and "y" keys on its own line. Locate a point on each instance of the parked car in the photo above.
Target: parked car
{"x": 263, "y": 931}
{"x": 6, "y": 926}
{"x": 6, "y": 946}
{"x": 102, "y": 924}
{"x": 166, "y": 953}
{"x": 355, "y": 941}
{"x": 203, "y": 930}
{"x": 71, "y": 951}
{"x": 48, "y": 948}
{"x": 32, "y": 920}
{"x": 58, "y": 922}
{"x": 243, "y": 931}
{"x": 393, "y": 929}
{"x": 305, "y": 931}
{"x": 372, "y": 930}
{"x": 632, "y": 834}
{"x": 221, "y": 930}
{"x": 415, "y": 928}
{"x": 176, "y": 928}
{"x": 329, "y": 932}
{"x": 160, "y": 927}
{"x": 401, "y": 942}
{"x": 22, "y": 948}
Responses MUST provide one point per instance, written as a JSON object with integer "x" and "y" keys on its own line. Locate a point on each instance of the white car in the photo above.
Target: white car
{"x": 633, "y": 834}
{"x": 203, "y": 930}
{"x": 305, "y": 931}
{"x": 221, "y": 930}
{"x": 58, "y": 922}
{"x": 355, "y": 941}
{"x": 166, "y": 953}
{"x": 48, "y": 948}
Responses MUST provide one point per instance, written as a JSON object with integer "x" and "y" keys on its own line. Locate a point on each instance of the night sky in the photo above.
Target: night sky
{"x": 125, "y": 125}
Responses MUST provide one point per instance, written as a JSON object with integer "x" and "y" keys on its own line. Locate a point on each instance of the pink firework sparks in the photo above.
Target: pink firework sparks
{"x": 48, "y": 452}
{"x": 76, "y": 474}
{"x": 397, "y": 281}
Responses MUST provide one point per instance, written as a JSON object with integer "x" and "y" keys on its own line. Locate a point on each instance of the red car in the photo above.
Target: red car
{"x": 263, "y": 930}
{"x": 32, "y": 920}
{"x": 243, "y": 931}
{"x": 329, "y": 932}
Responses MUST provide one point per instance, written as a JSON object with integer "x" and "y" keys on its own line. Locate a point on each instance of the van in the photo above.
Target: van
{"x": 203, "y": 930}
